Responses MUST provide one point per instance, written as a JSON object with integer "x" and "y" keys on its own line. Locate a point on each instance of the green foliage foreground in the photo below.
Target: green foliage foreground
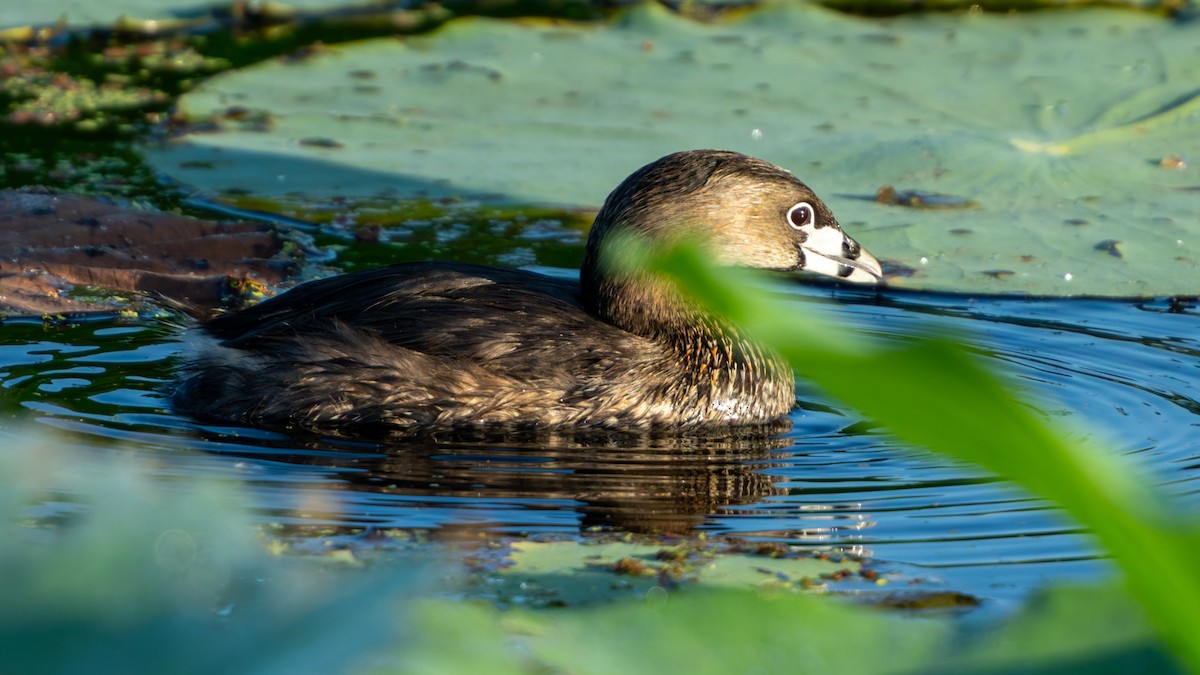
{"x": 107, "y": 569}
{"x": 113, "y": 571}
{"x": 934, "y": 394}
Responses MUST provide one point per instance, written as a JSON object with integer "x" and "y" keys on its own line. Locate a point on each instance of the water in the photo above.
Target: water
{"x": 1126, "y": 372}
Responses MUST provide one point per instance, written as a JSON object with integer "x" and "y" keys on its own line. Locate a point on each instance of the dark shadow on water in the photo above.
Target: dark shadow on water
{"x": 218, "y": 169}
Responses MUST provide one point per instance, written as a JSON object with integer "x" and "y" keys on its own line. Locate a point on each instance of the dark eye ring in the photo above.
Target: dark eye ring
{"x": 801, "y": 215}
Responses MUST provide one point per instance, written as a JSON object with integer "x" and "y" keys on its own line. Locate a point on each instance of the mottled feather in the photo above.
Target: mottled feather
{"x": 424, "y": 346}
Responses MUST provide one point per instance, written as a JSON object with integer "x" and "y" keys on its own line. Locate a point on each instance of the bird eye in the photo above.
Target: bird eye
{"x": 801, "y": 215}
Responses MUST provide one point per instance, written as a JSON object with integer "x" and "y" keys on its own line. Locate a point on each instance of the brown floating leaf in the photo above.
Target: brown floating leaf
{"x": 1173, "y": 162}
{"x": 919, "y": 199}
{"x": 929, "y": 600}
{"x": 51, "y": 241}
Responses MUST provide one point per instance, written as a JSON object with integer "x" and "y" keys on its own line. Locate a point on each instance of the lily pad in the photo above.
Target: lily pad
{"x": 1054, "y": 126}
{"x": 567, "y": 573}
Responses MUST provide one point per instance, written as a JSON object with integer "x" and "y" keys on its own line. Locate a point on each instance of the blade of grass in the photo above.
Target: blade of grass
{"x": 934, "y": 394}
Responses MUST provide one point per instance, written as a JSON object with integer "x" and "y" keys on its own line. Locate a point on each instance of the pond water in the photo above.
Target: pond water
{"x": 1127, "y": 372}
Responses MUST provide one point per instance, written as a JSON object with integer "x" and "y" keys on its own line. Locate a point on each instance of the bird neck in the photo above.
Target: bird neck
{"x": 714, "y": 351}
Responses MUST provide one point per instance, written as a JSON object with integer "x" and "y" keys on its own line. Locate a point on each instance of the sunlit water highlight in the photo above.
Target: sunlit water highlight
{"x": 1126, "y": 372}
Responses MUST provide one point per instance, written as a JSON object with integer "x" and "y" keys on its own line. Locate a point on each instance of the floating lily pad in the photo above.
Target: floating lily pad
{"x": 568, "y": 573}
{"x": 1052, "y": 125}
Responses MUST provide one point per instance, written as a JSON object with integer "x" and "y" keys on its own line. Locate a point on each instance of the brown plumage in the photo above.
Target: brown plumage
{"x": 428, "y": 346}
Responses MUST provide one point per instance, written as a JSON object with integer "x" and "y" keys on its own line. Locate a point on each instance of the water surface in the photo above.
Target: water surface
{"x": 1126, "y": 372}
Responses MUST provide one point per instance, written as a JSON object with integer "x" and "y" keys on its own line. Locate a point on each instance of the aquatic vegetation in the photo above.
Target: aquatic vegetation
{"x": 1072, "y": 130}
{"x": 109, "y": 571}
{"x": 567, "y": 574}
{"x": 1052, "y": 127}
{"x": 159, "y": 15}
{"x": 172, "y": 572}
{"x": 90, "y": 92}
{"x": 108, "y": 567}
{"x": 934, "y": 394}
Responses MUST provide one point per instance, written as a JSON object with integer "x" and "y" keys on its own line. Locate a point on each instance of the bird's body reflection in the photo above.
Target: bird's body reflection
{"x": 615, "y": 481}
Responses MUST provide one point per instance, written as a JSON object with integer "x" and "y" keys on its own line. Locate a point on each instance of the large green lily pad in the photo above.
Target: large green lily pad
{"x": 1054, "y": 128}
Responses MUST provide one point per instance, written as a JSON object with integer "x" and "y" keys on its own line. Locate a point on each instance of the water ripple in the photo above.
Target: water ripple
{"x": 1124, "y": 372}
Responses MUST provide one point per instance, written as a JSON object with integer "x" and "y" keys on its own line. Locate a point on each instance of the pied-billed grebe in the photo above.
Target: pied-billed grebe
{"x": 435, "y": 345}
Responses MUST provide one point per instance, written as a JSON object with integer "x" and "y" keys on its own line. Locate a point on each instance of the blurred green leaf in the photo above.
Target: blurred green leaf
{"x": 1090, "y": 630}
{"x": 107, "y": 570}
{"x": 1078, "y": 630}
{"x": 453, "y": 637}
{"x": 734, "y": 632}
{"x": 110, "y": 570}
{"x": 934, "y": 394}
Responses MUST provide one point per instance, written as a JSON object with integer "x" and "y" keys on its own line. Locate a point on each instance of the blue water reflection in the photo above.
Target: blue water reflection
{"x": 1127, "y": 373}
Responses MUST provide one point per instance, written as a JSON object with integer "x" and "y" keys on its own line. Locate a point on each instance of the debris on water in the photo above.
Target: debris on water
{"x": 321, "y": 143}
{"x": 600, "y": 568}
{"x": 895, "y": 270}
{"x": 631, "y": 567}
{"x": 1111, "y": 247}
{"x": 241, "y": 118}
{"x": 999, "y": 274}
{"x": 1173, "y": 162}
{"x": 838, "y": 575}
{"x": 929, "y": 600}
{"x": 673, "y": 554}
{"x": 920, "y": 199}
{"x": 772, "y": 549}
{"x": 1181, "y": 303}
{"x": 367, "y": 233}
